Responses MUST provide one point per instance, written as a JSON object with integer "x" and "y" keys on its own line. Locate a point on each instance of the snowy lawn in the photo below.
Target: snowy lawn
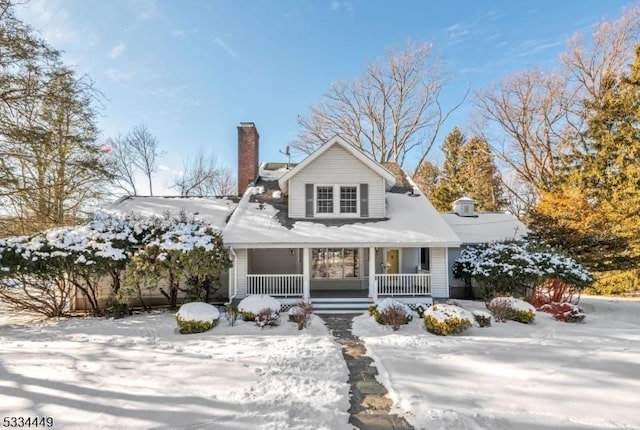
{"x": 549, "y": 375}
{"x": 139, "y": 373}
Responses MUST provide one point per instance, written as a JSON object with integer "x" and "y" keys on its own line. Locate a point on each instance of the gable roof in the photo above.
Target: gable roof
{"x": 389, "y": 177}
{"x": 486, "y": 227}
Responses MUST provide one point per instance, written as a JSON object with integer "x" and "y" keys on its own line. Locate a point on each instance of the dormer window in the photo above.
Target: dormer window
{"x": 336, "y": 200}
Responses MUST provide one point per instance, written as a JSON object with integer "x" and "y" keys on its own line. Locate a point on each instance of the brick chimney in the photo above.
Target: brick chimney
{"x": 248, "y": 153}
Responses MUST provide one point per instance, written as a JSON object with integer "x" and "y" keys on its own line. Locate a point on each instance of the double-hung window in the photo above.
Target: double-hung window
{"x": 336, "y": 200}
{"x": 324, "y": 200}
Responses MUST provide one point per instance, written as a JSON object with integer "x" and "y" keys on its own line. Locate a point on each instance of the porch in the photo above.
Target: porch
{"x": 321, "y": 274}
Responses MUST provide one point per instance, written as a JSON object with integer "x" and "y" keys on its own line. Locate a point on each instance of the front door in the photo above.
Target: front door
{"x": 393, "y": 261}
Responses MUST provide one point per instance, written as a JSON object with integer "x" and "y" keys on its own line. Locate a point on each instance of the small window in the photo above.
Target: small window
{"x": 348, "y": 200}
{"x": 424, "y": 259}
{"x": 324, "y": 200}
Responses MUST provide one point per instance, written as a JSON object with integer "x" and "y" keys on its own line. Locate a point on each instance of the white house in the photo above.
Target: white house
{"x": 338, "y": 228}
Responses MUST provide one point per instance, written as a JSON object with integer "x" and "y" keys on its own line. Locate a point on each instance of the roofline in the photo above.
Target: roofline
{"x": 372, "y": 164}
{"x": 440, "y": 244}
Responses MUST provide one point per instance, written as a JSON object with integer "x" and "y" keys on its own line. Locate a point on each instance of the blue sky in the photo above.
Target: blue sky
{"x": 191, "y": 70}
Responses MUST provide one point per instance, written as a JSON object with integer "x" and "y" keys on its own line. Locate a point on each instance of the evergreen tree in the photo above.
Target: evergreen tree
{"x": 468, "y": 169}
{"x": 480, "y": 177}
{"x": 450, "y": 186}
{"x": 595, "y": 208}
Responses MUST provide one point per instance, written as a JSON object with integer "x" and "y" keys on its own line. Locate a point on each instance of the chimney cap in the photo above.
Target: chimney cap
{"x": 247, "y": 124}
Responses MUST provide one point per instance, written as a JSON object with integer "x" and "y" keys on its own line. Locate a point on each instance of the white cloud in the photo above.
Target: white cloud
{"x": 117, "y": 50}
{"x": 119, "y": 75}
{"x": 180, "y": 33}
{"x": 226, "y": 47}
{"x": 344, "y": 5}
{"x": 146, "y": 10}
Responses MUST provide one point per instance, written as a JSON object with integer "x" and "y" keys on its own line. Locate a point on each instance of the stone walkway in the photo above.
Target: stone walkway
{"x": 370, "y": 405}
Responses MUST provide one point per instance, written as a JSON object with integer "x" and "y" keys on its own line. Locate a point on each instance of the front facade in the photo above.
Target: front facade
{"x": 338, "y": 225}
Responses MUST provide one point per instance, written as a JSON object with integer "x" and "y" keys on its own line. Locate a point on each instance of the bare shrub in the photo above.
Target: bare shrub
{"x": 301, "y": 314}
{"x": 46, "y": 294}
{"x": 267, "y": 317}
{"x": 395, "y": 316}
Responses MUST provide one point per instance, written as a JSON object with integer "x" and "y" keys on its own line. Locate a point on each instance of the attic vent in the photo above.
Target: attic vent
{"x": 464, "y": 207}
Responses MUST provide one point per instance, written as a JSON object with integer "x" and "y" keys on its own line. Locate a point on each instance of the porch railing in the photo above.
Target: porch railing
{"x": 275, "y": 285}
{"x": 406, "y": 284}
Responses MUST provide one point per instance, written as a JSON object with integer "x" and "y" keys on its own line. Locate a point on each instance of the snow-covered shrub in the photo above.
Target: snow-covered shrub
{"x": 567, "y": 312}
{"x": 515, "y": 267}
{"x": 391, "y": 312}
{"x": 188, "y": 253}
{"x": 444, "y": 319}
{"x": 197, "y": 317}
{"x": 250, "y": 306}
{"x": 301, "y": 314}
{"x": 267, "y": 317}
{"x": 510, "y": 308}
{"x": 482, "y": 318}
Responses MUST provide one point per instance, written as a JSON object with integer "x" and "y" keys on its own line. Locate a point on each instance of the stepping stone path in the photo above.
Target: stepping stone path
{"x": 370, "y": 405}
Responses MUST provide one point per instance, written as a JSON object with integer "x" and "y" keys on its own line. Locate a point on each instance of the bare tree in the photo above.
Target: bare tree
{"x": 204, "y": 177}
{"x": 145, "y": 152}
{"x": 540, "y": 116}
{"x": 121, "y": 165}
{"x": 132, "y": 154}
{"x": 533, "y": 112}
{"x": 391, "y": 111}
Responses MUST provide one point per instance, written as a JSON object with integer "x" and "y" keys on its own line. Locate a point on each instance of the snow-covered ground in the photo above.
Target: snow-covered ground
{"x": 549, "y": 375}
{"x": 137, "y": 373}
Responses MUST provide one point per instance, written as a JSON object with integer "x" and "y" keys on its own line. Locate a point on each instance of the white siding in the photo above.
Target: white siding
{"x": 241, "y": 267}
{"x": 439, "y": 272}
{"x": 336, "y": 166}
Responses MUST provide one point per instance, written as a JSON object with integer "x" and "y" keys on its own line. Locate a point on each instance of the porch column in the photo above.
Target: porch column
{"x": 373, "y": 288}
{"x": 306, "y": 284}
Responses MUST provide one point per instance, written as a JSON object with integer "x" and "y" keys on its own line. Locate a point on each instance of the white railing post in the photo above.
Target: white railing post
{"x": 306, "y": 275}
{"x": 373, "y": 285}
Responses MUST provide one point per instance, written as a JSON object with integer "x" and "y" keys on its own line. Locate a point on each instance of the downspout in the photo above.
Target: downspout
{"x": 235, "y": 274}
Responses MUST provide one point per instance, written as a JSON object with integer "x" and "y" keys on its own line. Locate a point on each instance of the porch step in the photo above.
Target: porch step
{"x": 333, "y": 305}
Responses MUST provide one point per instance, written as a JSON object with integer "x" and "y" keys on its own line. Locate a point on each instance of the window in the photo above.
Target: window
{"x": 324, "y": 200}
{"x": 335, "y": 263}
{"x": 336, "y": 200}
{"x": 348, "y": 200}
{"x": 424, "y": 259}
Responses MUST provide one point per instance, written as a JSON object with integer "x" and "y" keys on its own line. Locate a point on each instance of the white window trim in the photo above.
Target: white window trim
{"x": 336, "y": 202}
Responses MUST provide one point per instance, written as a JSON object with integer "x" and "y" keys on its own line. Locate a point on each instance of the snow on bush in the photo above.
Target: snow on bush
{"x": 267, "y": 317}
{"x": 103, "y": 249}
{"x": 197, "y": 317}
{"x": 391, "y": 312}
{"x": 250, "y": 306}
{"x": 482, "y": 318}
{"x": 444, "y": 319}
{"x": 510, "y": 308}
{"x": 515, "y": 267}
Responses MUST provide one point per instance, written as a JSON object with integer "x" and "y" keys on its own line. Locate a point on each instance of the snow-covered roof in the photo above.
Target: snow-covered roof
{"x": 486, "y": 227}
{"x": 213, "y": 210}
{"x": 274, "y": 171}
{"x": 337, "y": 140}
{"x": 411, "y": 221}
